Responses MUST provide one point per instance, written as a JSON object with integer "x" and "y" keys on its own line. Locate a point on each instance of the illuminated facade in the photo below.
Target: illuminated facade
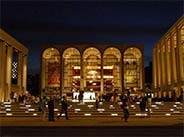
{"x": 13, "y": 66}
{"x": 100, "y": 69}
{"x": 168, "y": 62}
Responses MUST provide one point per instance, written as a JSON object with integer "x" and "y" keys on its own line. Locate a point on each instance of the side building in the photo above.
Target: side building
{"x": 13, "y": 66}
{"x": 95, "y": 69}
{"x": 168, "y": 63}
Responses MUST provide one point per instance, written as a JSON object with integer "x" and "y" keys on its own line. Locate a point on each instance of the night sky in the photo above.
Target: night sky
{"x": 37, "y": 23}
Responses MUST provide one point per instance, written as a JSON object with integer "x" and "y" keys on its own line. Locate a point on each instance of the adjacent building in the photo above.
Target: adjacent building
{"x": 99, "y": 69}
{"x": 168, "y": 62}
{"x": 13, "y": 66}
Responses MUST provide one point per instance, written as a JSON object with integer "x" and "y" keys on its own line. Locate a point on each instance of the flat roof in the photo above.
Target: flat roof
{"x": 12, "y": 41}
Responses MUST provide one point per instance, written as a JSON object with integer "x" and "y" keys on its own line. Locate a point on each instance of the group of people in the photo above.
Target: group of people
{"x": 26, "y": 98}
{"x": 50, "y": 103}
{"x": 145, "y": 102}
{"x": 125, "y": 99}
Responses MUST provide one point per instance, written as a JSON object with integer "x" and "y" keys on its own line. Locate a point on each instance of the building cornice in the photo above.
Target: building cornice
{"x": 12, "y": 41}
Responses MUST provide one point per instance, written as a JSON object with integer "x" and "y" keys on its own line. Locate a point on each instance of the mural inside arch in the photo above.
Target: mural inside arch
{"x": 53, "y": 74}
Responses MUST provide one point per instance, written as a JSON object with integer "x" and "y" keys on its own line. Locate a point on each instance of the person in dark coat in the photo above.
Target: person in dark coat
{"x": 97, "y": 104}
{"x": 51, "y": 109}
{"x": 64, "y": 109}
{"x": 142, "y": 105}
{"x": 124, "y": 106}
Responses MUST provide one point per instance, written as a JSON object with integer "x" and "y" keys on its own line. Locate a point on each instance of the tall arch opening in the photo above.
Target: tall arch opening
{"x": 111, "y": 70}
{"x": 51, "y": 72}
{"x": 72, "y": 70}
{"x": 132, "y": 65}
{"x": 92, "y": 70}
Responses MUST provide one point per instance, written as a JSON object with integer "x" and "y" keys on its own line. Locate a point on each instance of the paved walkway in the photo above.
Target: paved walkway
{"x": 91, "y": 121}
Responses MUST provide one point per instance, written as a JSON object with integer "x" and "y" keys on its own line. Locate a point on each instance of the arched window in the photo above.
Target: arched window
{"x": 111, "y": 70}
{"x": 51, "y": 71}
{"x": 132, "y": 68}
{"x": 92, "y": 69}
{"x": 71, "y": 62}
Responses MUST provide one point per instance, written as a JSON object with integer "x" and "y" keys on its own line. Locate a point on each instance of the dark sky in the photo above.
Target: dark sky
{"x": 37, "y": 23}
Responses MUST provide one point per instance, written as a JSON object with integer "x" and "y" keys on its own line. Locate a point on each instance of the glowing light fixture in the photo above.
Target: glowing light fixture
{"x": 31, "y": 109}
{"x": 87, "y": 114}
{"x": 114, "y": 114}
{"x": 7, "y": 103}
{"x": 55, "y": 109}
{"x": 139, "y": 114}
{"x": 7, "y": 106}
{"x": 9, "y": 114}
{"x": 8, "y": 109}
{"x": 35, "y": 114}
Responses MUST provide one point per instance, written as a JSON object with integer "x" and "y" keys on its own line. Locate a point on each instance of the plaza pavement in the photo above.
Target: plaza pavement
{"x": 92, "y": 127}
{"x": 91, "y": 121}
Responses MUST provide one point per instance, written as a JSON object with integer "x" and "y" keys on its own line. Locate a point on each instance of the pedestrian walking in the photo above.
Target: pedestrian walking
{"x": 43, "y": 108}
{"x": 142, "y": 105}
{"x": 124, "y": 106}
{"x": 97, "y": 103}
{"x": 149, "y": 104}
{"x": 64, "y": 108}
{"x": 51, "y": 109}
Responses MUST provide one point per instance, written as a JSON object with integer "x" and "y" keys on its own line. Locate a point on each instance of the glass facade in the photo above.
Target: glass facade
{"x": 52, "y": 66}
{"x": 92, "y": 70}
{"x": 112, "y": 70}
{"x": 71, "y": 64}
{"x": 132, "y": 68}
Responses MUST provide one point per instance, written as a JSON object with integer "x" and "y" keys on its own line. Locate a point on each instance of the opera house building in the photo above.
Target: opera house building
{"x": 94, "y": 69}
{"x": 13, "y": 66}
{"x": 168, "y": 62}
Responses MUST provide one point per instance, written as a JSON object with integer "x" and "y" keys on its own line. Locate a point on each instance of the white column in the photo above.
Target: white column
{"x": 2, "y": 70}
{"x": 164, "y": 65}
{"x": 24, "y": 79}
{"x": 20, "y": 72}
{"x": 168, "y": 63}
{"x": 121, "y": 73}
{"x": 180, "y": 60}
{"x": 62, "y": 74}
{"x": 161, "y": 66}
{"x": 142, "y": 74}
{"x": 173, "y": 59}
{"x": 154, "y": 72}
{"x": 43, "y": 67}
{"x": 102, "y": 82}
{"x": 8, "y": 72}
{"x": 156, "y": 67}
{"x": 158, "y": 62}
{"x": 81, "y": 73}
